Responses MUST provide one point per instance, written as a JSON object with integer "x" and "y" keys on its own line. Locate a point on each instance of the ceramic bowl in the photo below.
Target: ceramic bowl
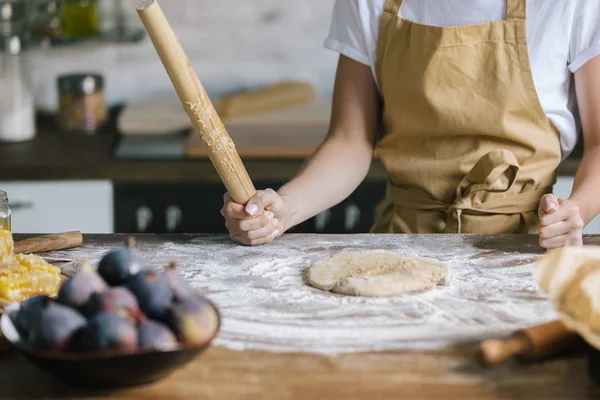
{"x": 107, "y": 370}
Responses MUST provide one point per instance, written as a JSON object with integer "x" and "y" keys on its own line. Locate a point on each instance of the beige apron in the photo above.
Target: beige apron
{"x": 466, "y": 143}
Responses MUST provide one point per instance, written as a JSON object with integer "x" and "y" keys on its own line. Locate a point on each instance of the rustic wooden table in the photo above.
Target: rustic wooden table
{"x": 222, "y": 373}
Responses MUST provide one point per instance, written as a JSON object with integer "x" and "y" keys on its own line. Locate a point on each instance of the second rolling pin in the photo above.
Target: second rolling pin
{"x": 530, "y": 344}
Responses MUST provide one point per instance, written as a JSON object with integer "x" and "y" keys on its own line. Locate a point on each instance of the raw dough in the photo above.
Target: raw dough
{"x": 376, "y": 274}
{"x": 571, "y": 278}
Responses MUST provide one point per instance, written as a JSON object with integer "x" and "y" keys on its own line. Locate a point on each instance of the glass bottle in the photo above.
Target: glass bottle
{"x": 81, "y": 19}
{"x": 5, "y": 213}
{"x": 17, "y": 104}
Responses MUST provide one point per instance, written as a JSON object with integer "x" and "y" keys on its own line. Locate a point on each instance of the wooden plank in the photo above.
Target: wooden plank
{"x": 274, "y": 141}
{"x": 292, "y": 133}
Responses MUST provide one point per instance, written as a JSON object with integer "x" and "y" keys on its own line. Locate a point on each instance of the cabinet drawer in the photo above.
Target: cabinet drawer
{"x": 195, "y": 208}
{"x": 50, "y": 207}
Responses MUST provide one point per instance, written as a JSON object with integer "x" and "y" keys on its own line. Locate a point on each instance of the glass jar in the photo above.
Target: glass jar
{"x": 81, "y": 103}
{"x": 47, "y": 23}
{"x": 81, "y": 19}
{"x": 5, "y": 213}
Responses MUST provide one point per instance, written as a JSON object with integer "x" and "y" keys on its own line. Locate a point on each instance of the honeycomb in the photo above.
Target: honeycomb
{"x": 25, "y": 275}
{"x": 6, "y": 246}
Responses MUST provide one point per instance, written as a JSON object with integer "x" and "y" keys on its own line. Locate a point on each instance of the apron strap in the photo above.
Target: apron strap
{"x": 516, "y": 10}
{"x": 392, "y": 7}
{"x": 494, "y": 173}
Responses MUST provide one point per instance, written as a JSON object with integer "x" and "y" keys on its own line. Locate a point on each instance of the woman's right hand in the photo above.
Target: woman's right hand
{"x": 263, "y": 219}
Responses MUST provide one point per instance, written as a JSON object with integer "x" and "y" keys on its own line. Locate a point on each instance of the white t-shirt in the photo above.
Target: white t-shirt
{"x": 562, "y": 36}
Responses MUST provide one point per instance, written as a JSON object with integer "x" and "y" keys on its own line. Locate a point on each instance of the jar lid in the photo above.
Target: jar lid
{"x": 80, "y": 83}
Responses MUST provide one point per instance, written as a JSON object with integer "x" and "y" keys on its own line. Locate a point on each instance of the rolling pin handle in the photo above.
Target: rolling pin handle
{"x": 494, "y": 352}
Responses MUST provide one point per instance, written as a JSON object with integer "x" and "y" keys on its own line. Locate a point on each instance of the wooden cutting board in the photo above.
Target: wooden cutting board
{"x": 291, "y": 133}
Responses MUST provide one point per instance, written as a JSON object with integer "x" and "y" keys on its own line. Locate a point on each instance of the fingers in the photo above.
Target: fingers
{"x": 263, "y": 200}
{"x": 571, "y": 239}
{"x": 263, "y": 221}
{"x": 564, "y": 212}
{"x": 548, "y": 204}
{"x": 562, "y": 226}
{"x": 256, "y": 241}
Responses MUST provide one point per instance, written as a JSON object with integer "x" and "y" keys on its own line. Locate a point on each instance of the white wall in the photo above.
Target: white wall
{"x": 232, "y": 44}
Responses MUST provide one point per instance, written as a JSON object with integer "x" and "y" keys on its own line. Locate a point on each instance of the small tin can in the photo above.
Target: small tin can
{"x": 82, "y": 108}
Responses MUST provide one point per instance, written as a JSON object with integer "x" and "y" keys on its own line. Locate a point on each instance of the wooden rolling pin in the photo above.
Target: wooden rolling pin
{"x": 199, "y": 108}
{"x": 530, "y": 344}
{"x": 47, "y": 243}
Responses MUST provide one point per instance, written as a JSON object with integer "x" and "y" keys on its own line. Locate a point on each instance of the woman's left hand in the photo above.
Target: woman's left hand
{"x": 561, "y": 223}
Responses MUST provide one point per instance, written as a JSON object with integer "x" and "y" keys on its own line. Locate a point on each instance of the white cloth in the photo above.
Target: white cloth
{"x": 562, "y": 36}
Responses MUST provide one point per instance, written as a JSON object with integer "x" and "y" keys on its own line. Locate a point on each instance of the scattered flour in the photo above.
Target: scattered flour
{"x": 266, "y": 304}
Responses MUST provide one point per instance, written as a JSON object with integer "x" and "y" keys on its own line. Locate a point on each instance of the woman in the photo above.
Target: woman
{"x": 477, "y": 106}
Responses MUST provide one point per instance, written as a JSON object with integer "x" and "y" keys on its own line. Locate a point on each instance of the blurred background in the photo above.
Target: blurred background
{"x": 93, "y": 137}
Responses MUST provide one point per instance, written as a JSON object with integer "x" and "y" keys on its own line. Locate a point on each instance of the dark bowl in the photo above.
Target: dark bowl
{"x": 107, "y": 370}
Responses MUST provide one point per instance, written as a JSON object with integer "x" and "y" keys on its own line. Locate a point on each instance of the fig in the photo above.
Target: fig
{"x": 29, "y": 314}
{"x": 194, "y": 321}
{"x": 113, "y": 300}
{"x": 117, "y": 266}
{"x": 181, "y": 288}
{"x": 153, "y": 335}
{"x": 76, "y": 291}
{"x": 56, "y": 326}
{"x": 153, "y": 292}
{"x": 109, "y": 331}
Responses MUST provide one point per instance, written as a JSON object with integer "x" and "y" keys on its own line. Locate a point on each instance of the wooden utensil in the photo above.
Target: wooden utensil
{"x": 280, "y": 96}
{"x": 530, "y": 344}
{"x": 47, "y": 243}
{"x": 200, "y": 110}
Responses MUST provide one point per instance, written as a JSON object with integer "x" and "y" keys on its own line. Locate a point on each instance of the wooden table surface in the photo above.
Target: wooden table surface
{"x": 403, "y": 374}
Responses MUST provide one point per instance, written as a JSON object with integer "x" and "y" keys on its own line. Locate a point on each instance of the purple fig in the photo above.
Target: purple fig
{"x": 194, "y": 321}
{"x": 117, "y": 266}
{"x": 55, "y": 327}
{"x": 77, "y": 291}
{"x": 109, "y": 331}
{"x": 153, "y": 335}
{"x": 181, "y": 288}
{"x": 29, "y": 314}
{"x": 113, "y": 300}
{"x": 153, "y": 292}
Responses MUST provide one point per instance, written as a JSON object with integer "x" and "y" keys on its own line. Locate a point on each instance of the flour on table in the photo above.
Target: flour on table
{"x": 267, "y": 305}
{"x": 376, "y": 273}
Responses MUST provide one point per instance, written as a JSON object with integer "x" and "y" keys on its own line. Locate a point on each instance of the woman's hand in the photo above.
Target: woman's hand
{"x": 262, "y": 220}
{"x": 561, "y": 223}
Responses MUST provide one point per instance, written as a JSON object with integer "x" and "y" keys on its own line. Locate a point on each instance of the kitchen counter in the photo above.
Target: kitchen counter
{"x": 240, "y": 365}
{"x": 55, "y": 156}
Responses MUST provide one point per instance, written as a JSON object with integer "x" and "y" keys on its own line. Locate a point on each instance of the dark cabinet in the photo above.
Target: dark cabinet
{"x": 195, "y": 208}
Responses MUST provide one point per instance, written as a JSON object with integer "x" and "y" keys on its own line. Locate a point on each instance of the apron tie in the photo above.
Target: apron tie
{"x": 481, "y": 191}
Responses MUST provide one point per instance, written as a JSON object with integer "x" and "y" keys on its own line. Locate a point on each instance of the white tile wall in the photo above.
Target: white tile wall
{"x": 232, "y": 44}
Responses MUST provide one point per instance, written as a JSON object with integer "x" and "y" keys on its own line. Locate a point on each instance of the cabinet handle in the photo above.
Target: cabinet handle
{"x": 144, "y": 218}
{"x": 321, "y": 220}
{"x": 174, "y": 217}
{"x": 352, "y": 217}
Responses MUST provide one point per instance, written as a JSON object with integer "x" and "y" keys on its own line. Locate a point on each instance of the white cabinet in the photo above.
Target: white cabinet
{"x": 60, "y": 206}
{"x": 563, "y": 188}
